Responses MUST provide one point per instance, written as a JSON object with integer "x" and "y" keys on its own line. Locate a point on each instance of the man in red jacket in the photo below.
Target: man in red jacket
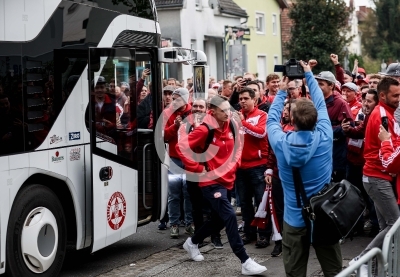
{"x": 377, "y": 180}
{"x": 173, "y": 116}
{"x": 216, "y": 174}
{"x": 250, "y": 175}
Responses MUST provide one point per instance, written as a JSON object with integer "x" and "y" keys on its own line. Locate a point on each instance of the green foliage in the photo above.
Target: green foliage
{"x": 353, "y": 57}
{"x": 371, "y": 65}
{"x": 319, "y": 28}
{"x": 380, "y": 36}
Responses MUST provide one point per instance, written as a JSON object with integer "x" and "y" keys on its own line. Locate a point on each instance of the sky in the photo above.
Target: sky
{"x": 367, "y": 3}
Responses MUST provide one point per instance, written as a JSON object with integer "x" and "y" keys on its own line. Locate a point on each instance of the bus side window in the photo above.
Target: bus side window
{"x": 11, "y": 106}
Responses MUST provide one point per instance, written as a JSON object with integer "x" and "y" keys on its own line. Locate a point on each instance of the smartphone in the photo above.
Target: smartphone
{"x": 385, "y": 123}
{"x": 344, "y": 115}
{"x": 147, "y": 66}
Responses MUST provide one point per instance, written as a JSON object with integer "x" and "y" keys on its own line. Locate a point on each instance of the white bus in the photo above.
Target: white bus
{"x": 78, "y": 165}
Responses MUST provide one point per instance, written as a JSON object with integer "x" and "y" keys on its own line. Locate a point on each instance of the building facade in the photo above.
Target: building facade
{"x": 264, "y": 50}
{"x": 200, "y": 25}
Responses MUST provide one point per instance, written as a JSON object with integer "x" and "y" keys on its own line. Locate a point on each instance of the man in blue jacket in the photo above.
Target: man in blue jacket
{"x": 308, "y": 147}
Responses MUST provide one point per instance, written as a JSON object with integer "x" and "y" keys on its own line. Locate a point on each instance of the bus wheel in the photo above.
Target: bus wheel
{"x": 36, "y": 234}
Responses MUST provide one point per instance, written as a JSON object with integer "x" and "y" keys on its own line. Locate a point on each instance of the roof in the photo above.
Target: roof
{"x": 230, "y": 7}
{"x": 168, "y": 3}
{"x": 283, "y": 4}
{"x": 225, "y": 6}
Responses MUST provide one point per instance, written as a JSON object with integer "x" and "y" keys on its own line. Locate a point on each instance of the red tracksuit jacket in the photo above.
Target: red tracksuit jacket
{"x": 390, "y": 158}
{"x": 221, "y": 158}
{"x": 373, "y": 166}
{"x": 254, "y": 129}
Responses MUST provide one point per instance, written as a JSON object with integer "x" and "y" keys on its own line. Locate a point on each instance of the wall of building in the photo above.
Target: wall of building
{"x": 266, "y": 44}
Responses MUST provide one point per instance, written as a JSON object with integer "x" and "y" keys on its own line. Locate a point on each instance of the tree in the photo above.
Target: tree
{"x": 319, "y": 29}
{"x": 380, "y": 36}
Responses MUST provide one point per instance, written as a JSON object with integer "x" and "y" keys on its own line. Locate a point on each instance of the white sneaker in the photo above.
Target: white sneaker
{"x": 250, "y": 267}
{"x": 363, "y": 269}
{"x": 233, "y": 202}
{"x": 193, "y": 250}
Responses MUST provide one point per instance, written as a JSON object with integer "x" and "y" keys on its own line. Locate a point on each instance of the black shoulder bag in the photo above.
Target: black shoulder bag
{"x": 331, "y": 213}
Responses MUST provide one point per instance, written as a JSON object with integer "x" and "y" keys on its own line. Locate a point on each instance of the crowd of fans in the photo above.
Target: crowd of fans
{"x": 335, "y": 116}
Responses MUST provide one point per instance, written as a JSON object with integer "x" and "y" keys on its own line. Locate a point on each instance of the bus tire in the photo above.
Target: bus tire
{"x": 36, "y": 234}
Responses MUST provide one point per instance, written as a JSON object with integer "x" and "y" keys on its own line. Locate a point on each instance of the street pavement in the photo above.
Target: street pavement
{"x": 151, "y": 252}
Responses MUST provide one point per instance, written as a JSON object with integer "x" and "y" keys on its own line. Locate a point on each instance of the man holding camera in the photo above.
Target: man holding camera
{"x": 308, "y": 147}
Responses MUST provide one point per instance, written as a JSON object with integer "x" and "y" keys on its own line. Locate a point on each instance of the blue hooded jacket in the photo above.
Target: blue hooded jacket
{"x": 311, "y": 151}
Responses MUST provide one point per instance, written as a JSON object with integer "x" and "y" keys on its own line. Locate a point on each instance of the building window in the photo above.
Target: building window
{"x": 262, "y": 67}
{"x": 260, "y": 23}
{"x": 193, "y": 44}
{"x": 274, "y": 25}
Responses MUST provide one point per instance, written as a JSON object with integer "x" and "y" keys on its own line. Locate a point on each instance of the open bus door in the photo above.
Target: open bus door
{"x": 125, "y": 186}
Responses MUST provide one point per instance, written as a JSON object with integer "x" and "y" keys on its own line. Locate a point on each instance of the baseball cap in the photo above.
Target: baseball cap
{"x": 101, "y": 80}
{"x": 351, "y": 86}
{"x": 182, "y": 92}
{"x": 361, "y": 81}
{"x": 169, "y": 88}
{"x": 326, "y": 76}
{"x": 392, "y": 70}
{"x": 361, "y": 70}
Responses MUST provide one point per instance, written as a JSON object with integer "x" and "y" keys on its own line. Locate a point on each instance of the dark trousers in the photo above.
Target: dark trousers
{"x": 251, "y": 183}
{"x": 222, "y": 214}
{"x": 354, "y": 176}
{"x": 199, "y": 206}
{"x": 296, "y": 250}
{"x": 338, "y": 175}
{"x": 277, "y": 196}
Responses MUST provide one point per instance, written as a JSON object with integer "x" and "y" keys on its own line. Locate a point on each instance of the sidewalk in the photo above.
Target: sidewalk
{"x": 175, "y": 261}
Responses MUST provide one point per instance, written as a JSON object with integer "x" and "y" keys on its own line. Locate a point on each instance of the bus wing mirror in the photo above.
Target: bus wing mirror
{"x": 176, "y": 55}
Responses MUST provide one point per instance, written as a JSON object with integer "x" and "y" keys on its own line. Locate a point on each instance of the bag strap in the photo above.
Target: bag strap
{"x": 300, "y": 191}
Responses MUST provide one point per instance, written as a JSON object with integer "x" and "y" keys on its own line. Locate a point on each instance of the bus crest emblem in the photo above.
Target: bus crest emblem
{"x": 116, "y": 210}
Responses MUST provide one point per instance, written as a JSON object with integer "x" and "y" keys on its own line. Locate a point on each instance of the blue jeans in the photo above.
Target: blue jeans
{"x": 176, "y": 189}
{"x": 251, "y": 183}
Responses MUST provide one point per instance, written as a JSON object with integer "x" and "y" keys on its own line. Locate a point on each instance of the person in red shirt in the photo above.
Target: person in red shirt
{"x": 250, "y": 175}
{"x": 350, "y": 90}
{"x": 377, "y": 179}
{"x": 272, "y": 82}
{"x": 216, "y": 174}
{"x": 173, "y": 116}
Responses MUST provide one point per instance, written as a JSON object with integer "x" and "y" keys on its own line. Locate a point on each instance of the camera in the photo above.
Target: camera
{"x": 291, "y": 69}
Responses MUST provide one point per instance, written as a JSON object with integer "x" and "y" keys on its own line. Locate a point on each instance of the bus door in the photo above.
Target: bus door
{"x": 113, "y": 131}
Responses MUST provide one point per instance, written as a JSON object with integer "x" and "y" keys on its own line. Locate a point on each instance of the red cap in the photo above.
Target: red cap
{"x": 361, "y": 70}
{"x": 361, "y": 81}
